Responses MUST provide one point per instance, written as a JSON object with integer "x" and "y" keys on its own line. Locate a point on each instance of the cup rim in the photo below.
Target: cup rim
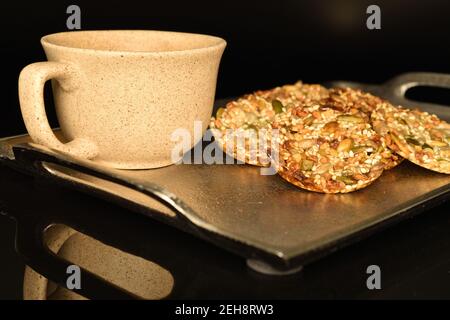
{"x": 220, "y": 43}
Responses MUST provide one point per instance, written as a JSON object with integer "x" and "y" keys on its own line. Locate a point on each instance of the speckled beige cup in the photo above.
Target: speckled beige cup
{"x": 120, "y": 94}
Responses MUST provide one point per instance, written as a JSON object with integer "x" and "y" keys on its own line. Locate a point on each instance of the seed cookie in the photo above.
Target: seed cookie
{"x": 289, "y": 120}
{"x": 295, "y": 94}
{"x": 244, "y": 127}
{"x": 360, "y": 103}
{"x": 351, "y": 100}
{"x": 331, "y": 151}
{"x": 418, "y": 136}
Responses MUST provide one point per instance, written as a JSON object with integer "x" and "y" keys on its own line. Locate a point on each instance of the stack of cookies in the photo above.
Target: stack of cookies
{"x": 335, "y": 140}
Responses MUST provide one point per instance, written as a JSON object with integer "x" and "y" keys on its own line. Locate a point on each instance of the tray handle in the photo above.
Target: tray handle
{"x": 185, "y": 217}
{"x": 396, "y": 88}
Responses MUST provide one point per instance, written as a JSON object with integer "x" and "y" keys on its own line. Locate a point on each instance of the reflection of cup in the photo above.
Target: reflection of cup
{"x": 120, "y": 94}
{"x": 140, "y": 277}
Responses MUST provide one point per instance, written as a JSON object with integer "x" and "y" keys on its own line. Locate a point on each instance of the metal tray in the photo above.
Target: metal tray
{"x": 277, "y": 227}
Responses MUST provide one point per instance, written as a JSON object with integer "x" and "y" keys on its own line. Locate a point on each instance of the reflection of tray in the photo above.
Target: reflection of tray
{"x": 273, "y": 224}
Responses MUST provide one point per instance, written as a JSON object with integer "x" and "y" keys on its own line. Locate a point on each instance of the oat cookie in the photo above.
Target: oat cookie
{"x": 418, "y": 136}
{"x": 331, "y": 151}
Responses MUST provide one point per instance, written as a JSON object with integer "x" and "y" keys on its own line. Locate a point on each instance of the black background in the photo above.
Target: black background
{"x": 269, "y": 42}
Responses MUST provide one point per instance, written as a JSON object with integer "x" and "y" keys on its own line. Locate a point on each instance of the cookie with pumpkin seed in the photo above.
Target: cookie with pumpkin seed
{"x": 351, "y": 100}
{"x": 244, "y": 127}
{"x": 357, "y": 102}
{"x": 329, "y": 151}
{"x": 298, "y": 93}
{"x": 418, "y": 136}
{"x": 293, "y": 119}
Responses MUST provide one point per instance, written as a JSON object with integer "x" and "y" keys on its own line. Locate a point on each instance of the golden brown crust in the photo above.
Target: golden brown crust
{"x": 313, "y": 187}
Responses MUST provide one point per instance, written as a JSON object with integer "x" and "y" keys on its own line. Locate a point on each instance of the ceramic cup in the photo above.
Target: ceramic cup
{"x": 120, "y": 94}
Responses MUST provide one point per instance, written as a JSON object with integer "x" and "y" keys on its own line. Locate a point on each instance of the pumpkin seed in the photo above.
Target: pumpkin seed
{"x": 345, "y": 145}
{"x": 220, "y": 112}
{"x": 412, "y": 141}
{"x": 308, "y": 120}
{"x": 402, "y": 121}
{"x": 331, "y": 127}
{"x": 427, "y": 146}
{"x": 277, "y": 106}
{"x": 436, "y": 143}
{"x": 404, "y": 148}
{"x": 350, "y": 118}
{"x": 324, "y": 148}
{"x": 323, "y": 168}
{"x": 307, "y": 164}
{"x": 346, "y": 179}
{"x": 358, "y": 149}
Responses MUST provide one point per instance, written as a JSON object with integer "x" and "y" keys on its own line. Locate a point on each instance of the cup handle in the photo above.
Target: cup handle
{"x": 31, "y": 97}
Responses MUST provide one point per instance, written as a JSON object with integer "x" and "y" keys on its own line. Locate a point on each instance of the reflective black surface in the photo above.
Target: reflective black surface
{"x": 11, "y": 266}
{"x": 414, "y": 256}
